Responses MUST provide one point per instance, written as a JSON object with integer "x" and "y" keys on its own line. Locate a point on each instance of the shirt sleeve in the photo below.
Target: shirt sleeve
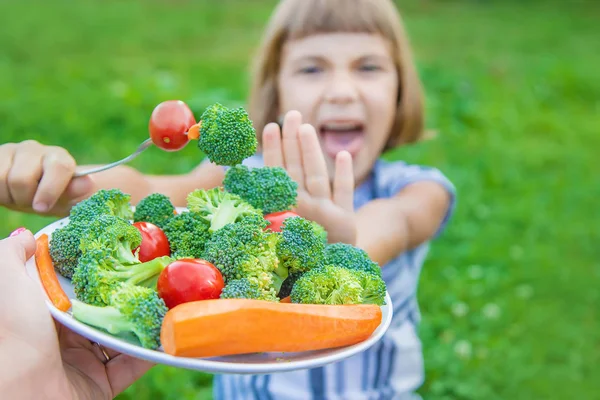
{"x": 416, "y": 173}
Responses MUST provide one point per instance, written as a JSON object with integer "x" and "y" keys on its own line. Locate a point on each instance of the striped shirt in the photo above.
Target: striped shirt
{"x": 393, "y": 367}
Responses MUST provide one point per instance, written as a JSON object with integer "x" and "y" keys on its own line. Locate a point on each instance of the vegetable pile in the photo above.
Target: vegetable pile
{"x": 211, "y": 280}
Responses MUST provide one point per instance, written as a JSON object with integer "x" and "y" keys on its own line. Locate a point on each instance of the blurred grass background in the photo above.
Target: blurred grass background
{"x": 509, "y": 294}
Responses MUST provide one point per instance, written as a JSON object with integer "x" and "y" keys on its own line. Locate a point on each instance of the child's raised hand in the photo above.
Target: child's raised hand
{"x": 299, "y": 152}
{"x": 39, "y": 178}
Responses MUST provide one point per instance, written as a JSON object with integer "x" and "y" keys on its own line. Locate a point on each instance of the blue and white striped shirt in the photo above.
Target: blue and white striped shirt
{"x": 393, "y": 367}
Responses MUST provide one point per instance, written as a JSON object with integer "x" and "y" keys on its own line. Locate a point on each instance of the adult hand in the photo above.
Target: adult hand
{"x": 40, "y": 358}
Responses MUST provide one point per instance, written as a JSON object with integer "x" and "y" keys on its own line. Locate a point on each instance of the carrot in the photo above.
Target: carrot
{"x": 48, "y": 276}
{"x": 286, "y": 300}
{"x": 210, "y": 328}
{"x": 194, "y": 131}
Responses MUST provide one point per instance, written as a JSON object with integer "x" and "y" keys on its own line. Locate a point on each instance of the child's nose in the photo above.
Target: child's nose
{"x": 341, "y": 89}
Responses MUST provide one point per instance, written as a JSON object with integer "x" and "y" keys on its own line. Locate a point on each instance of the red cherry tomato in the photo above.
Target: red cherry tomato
{"x": 276, "y": 219}
{"x": 154, "y": 242}
{"x": 169, "y": 123}
{"x": 188, "y": 280}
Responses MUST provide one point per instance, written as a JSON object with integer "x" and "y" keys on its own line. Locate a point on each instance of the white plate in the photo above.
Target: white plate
{"x": 260, "y": 363}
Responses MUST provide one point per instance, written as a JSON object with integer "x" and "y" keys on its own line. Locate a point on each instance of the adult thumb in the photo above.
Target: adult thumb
{"x": 18, "y": 247}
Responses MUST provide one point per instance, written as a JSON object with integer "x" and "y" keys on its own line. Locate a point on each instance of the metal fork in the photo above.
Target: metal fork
{"x": 145, "y": 144}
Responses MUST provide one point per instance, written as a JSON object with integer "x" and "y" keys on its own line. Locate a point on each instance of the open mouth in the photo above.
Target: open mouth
{"x": 341, "y": 136}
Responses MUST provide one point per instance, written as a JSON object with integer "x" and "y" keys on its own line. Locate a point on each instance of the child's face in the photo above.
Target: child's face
{"x": 345, "y": 85}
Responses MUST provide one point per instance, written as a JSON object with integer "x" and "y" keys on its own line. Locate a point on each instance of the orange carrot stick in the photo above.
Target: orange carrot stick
{"x": 209, "y": 328}
{"x": 48, "y": 276}
{"x": 287, "y": 299}
{"x": 194, "y": 131}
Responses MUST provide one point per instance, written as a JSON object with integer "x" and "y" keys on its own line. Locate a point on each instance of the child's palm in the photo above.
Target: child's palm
{"x": 299, "y": 152}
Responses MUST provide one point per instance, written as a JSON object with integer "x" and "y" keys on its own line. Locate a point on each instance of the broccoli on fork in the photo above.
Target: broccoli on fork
{"x": 227, "y": 136}
{"x": 132, "y": 310}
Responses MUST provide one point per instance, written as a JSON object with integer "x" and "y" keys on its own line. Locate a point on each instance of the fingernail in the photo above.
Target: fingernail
{"x": 40, "y": 207}
{"x": 17, "y": 231}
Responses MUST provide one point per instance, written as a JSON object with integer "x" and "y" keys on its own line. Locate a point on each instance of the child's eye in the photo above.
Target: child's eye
{"x": 310, "y": 70}
{"x": 369, "y": 67}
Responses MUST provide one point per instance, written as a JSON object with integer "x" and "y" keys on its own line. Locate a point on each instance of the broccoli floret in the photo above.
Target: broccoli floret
{"x": 219, "y": 207}
{"x": 244, "y": 250}
{"x": 374, "y": 287}
{"x": 103, "y": 202}
{"x": 327, "y": 284}
{"x": 187, "y": 233}
{"x": 320, "y": 232}
{"x": 351, "y": 257}
{"x": 227, "y": 136}
{"x": 331, "y": 284}
{"x": 246, "y": 289}
{"x": 115, "y": 235}
{"x": 64, "y": 248}
{"x": 98, "y": 272}
{"x": 132, "y": 310}
{"x": 155, "y": 208}
{"x": 269, "y": 189}
{"x": 301, "y": 248}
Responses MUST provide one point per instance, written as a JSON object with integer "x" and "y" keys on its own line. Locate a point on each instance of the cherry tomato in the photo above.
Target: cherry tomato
{"x": 154, "y": 242}
{"x": 276, "y": 219}
{"x": 188, "y": 280}
{"x": 169, "y": 123}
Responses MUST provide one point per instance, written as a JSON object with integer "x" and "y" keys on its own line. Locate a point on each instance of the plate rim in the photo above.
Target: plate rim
{"x": 208, "y": 365}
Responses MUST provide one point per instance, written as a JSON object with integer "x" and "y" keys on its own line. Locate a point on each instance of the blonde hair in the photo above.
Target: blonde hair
{"x": 295, "y": 19}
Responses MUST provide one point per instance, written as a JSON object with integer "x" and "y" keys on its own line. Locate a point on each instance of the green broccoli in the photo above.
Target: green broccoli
{"x": 155, "y": 208}
{"x": 244, "y": 250}
{"x": 351, "y": 257}
{"x": 327, "y": 284}
{"x": 227, "y": 136}
{"x": 246, "y": 289}
{"x": 331, "y": 284}
{"x": 320, "y": 232}
{"x": 64, "y": 247}
{"x": 300, "y": 249}
{"x": 187, "y": 233}
{"x": 103, "y": 202}
{"x": 269, "y": 189}
{"x": 219, "y": 207}
{"x": 98, "y": 273}
{"x": 374, "y": 287}
{"x": 115, "y": 235}
{"x": 132, "y": 310}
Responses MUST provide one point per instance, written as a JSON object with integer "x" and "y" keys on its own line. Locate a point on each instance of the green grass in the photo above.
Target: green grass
{"x": 509, "y": 294}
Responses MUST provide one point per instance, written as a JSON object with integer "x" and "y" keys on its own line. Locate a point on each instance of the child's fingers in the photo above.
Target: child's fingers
{"x": 58, "y": 166}
{"x": 343, "y": 184}
{"x": 291, "y": 147}
{"x": 272, "y": 152}
{"x": 315, "y": 168}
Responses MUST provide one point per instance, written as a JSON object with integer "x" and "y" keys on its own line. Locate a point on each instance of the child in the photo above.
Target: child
{"x": 340, "y": 73}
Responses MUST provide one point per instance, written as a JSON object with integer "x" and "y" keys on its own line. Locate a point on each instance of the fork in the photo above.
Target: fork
{"x": 143, "y": 146}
